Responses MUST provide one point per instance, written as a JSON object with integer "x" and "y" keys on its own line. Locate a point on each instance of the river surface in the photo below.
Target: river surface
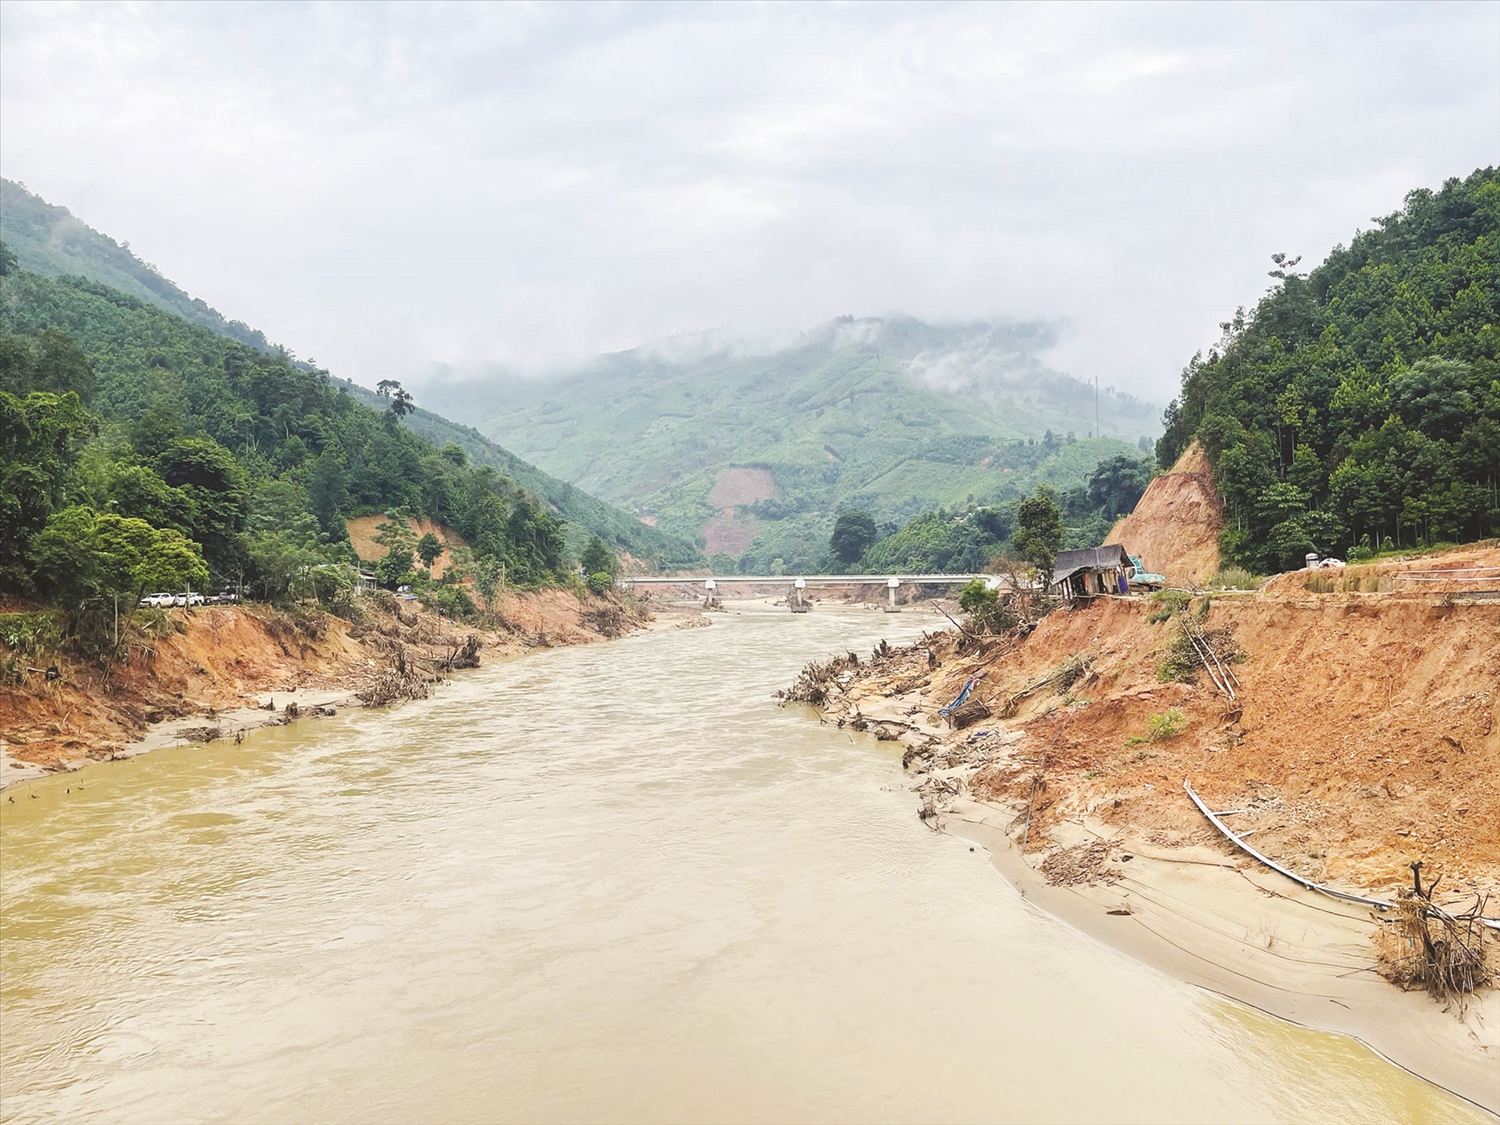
{"x": 612, "y": 882}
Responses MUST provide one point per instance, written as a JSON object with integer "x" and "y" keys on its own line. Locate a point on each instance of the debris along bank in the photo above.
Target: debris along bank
{"x": 201, "y": 675}
{"x": 1352, "y": 736}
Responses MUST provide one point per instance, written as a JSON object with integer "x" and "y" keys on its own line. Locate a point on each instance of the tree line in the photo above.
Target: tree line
{"x": 138, "y": 451}
{"x": 1358, "y": 407}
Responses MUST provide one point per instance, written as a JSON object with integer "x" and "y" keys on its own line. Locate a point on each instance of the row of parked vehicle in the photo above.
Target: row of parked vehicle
{"x": 167, "y": 601}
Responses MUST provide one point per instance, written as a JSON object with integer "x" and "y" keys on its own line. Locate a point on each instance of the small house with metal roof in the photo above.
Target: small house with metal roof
{"x": 1090, "y": 572}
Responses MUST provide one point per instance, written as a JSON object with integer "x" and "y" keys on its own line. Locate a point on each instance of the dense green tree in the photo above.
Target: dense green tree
{"x": 50, "y": 362}
{"x": 1040, "y": 533}
{"x": 1116, "y": 485}
{"x": 853, "y": 531}
{"x": 39, "y": 438}
{"x": 428, "y": 549}
{"x": 599, "y": 559}
{"x": 1361, "y": 401}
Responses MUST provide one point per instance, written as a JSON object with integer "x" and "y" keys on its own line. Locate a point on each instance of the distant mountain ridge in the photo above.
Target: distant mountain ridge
{"x": 51, "y": 241}
{"x": 889, "y": 414}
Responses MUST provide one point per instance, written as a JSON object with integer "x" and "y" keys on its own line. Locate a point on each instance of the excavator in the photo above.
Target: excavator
{"x": 1141, "y": 578}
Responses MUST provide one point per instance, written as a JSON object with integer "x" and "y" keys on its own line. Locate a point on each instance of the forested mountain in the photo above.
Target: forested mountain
{"x": 581, "y": 510}
{"x": 127, "y": 433}
{"x": 756, "y": 454}
{"x": 1359, "y": 404}
{"x": 49, "y": 240}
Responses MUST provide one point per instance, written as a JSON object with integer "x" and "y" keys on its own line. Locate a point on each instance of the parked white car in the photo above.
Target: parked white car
{"x": 157, "y": 601}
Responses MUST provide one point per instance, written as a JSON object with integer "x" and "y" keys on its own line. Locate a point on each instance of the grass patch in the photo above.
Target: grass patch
{"x": 1159, "y": 728}
{"x": 1167, "y": 603}
{"x": 1233, "y": 578}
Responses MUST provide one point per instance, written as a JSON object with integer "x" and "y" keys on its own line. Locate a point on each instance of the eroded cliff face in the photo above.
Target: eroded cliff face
{"x": 219, "y": 659}
{"x": 1175, "y": 526}
{"x": 1364, "y": 733}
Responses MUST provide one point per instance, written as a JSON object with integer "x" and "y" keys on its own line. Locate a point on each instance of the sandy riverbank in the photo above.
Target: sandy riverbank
{"x": 1247, "y": 933}
{"x": 1113, "y": 846}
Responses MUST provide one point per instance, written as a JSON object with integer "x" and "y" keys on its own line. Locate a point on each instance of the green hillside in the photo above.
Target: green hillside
{"x": 49, "y": 240}
{"x": 583, "y": 512}
{"x": 889, "y": 415}
{"x": 1360, "y": 403}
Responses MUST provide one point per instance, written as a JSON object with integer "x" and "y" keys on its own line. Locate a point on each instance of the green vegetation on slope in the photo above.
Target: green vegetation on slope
{"x": 50, "y": 241}
{"x": 1360, "y": 403}
{"x": 972, "y": 537}
{"x": 139, "y": 449}
{"x": 889, "y": 416}
{"x": 586, "y": 515}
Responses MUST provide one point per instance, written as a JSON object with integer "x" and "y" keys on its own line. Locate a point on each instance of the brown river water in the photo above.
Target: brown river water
{"x": 613, "y": 882}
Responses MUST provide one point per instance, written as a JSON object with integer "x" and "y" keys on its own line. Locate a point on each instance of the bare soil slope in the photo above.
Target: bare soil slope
{"x": 218, "y": 659}
{"x": 1365, "y": 735}
{"x": 363, "y": 529}
{"x": 1175, "y": 527}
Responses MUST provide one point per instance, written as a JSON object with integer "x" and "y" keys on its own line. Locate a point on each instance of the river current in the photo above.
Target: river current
{"x": 613, "y": 882}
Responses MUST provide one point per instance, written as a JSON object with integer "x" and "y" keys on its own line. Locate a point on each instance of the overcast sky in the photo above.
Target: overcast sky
{"x": 382, "y": 187}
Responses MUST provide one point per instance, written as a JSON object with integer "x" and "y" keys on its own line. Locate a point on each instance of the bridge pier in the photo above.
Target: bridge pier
{"x": 798, "y": 601}
{"x": 891, "y": 586}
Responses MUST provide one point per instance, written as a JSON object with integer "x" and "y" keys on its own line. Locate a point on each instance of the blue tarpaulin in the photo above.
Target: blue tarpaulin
{"x": 962, "y": 696}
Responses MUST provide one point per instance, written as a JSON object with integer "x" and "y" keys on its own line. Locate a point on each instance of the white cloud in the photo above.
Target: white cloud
{"x": 383, "y": 186}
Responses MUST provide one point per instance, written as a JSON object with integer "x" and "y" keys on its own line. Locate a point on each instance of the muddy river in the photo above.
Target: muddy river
{"x": 613, "y": 882}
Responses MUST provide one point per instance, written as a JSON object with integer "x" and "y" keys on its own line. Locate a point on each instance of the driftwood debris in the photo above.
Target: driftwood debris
{"x": 1238, "y": 840}
{"x": 814, "y": 681}
{"x": 1451, "y": 963}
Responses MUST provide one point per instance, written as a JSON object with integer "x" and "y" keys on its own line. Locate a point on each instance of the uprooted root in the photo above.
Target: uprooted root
{"x": 813, "y": 682}
{"x": 404, "y": 679}
{"x": 1427, "y": 947}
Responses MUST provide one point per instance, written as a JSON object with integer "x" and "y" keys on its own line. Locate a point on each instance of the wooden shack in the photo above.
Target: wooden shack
{"x": 1091, "y": 572}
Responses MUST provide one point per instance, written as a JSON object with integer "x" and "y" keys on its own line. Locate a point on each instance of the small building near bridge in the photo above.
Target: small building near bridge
{"x": 1091, "y": 572}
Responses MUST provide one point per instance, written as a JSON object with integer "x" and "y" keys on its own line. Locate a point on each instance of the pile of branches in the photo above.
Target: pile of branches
{"x": 813, "y": 682}
{"x": 1060, "y": 680}
{"x": 1196, "y": 649}
{"x": 404, "y": 679}
{"x": 1428, "y": 947}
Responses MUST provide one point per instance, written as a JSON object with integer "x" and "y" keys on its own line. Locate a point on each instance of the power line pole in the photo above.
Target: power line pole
{"x": 1098, "y": 433}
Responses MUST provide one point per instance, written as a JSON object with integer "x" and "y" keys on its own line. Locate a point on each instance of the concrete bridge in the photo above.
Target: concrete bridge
{"x": 800, "y": 582}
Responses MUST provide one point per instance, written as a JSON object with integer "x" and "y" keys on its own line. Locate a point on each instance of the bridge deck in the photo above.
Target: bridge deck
{"x": 809, "y": 579}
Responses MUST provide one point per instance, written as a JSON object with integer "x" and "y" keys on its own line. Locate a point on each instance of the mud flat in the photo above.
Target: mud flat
{"x": 1249, "y": 934}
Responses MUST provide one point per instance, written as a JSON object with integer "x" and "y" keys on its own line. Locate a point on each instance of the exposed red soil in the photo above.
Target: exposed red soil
{"x": 363, "y": 529}
{"x": 1175, "y": 527}
{"x": 222, "y": 657}
{"x": 728, "y": 533}
{"x": 742, "y": 486}
{"x": 1365, "y": 736}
